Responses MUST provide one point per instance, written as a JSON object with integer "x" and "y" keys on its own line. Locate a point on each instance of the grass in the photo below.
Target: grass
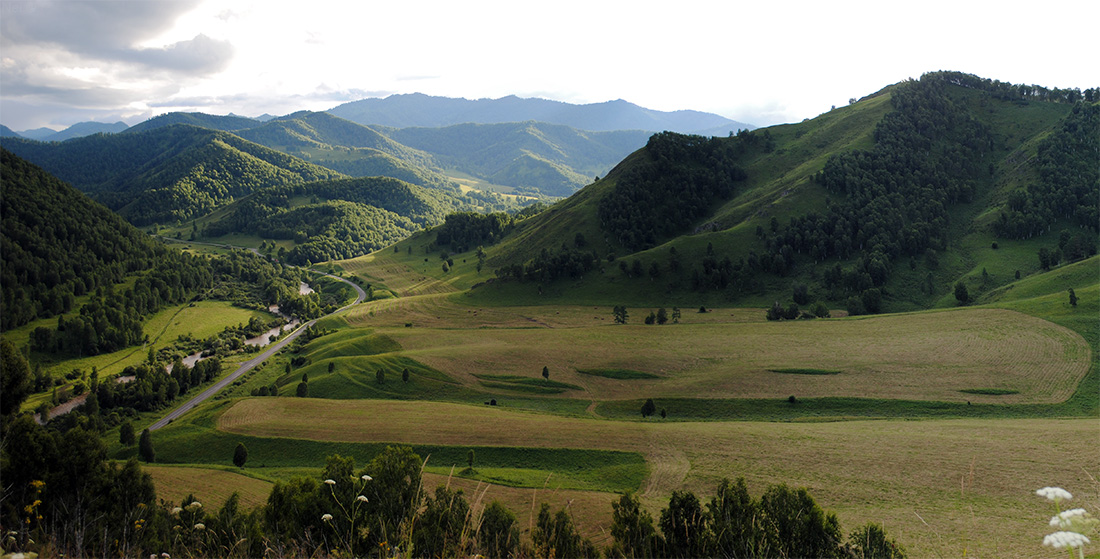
{"x": 208, "y": 485}
{"x": 618, "y": 374}
{"x": 865, "y": 470}
{"x": 989, "y": 391}
{"x": 805, "y": 371}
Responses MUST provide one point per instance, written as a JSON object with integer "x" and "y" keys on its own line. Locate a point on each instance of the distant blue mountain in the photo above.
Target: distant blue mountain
{"x": 419, "y": 110}
{"x": 81, "y": 129}
{"x": 6, "y": 132}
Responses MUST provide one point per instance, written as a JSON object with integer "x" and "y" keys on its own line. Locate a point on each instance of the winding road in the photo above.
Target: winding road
{"x": 360, "y": 296}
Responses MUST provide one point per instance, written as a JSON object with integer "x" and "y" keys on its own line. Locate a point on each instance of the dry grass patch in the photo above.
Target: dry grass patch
{"x": 940, "y": 487}
{"x": 404, "y": 278}
{"x": 591, "y": 509}
{"x": 211, "y": 487}
{"x": 923, "y": 356}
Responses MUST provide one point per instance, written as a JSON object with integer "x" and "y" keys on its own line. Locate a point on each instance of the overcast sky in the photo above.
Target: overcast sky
{"x": 760, "y": 62}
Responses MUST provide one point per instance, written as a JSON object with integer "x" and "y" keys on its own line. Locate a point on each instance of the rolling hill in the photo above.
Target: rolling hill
{"x": 882, "y": 205}
{"x": 167, "y": 174}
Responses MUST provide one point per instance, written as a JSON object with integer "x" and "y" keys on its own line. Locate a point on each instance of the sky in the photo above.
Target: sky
{"x": 758, "y": 62}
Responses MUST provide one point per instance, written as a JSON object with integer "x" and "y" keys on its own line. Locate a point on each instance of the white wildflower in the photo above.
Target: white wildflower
{"x": 330, "y": 481}
{"x": 176, "y": 511}
{"x": 200, "y": 526}
{"x": 361, "y": 498}
{"x": 1065, "y": 518}
{"x": 326, "y": 518}
{"x": 365, "y": 477}
{"x": 1054, "y": 493}
{"x": 1059, "y": 540}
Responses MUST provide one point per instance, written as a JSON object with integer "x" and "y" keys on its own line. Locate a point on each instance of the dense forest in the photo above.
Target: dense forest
{"x": 342, "y": 218}
{"x": 67, "y": 256}
{"x": 1069, "y": 180}
{"x": 169, "y": 173}
{"x": 676, "y": 185}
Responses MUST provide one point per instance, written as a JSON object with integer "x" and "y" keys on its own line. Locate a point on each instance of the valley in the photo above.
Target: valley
{"x": 893, "y": 306}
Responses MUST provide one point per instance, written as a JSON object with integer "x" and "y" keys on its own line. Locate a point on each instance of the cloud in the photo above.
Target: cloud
{"x": 90, "y": 54}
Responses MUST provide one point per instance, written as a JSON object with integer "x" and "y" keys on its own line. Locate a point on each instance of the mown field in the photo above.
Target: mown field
{"x": 987, "y": 404}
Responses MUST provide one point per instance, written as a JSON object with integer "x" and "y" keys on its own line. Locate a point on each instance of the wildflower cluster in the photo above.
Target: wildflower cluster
{"x": 1072, "y": 524}
{"x": 350, "y": 512}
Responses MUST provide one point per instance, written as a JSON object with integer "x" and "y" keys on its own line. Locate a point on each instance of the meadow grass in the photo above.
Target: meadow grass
{"x": 618, "y": 374}
{"x": 886, "y": 471}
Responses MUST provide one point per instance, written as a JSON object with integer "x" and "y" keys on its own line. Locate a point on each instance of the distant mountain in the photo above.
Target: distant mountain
{"x": 167, "y": 174}
{"x": 419, "y": 110}
{"x": 552, "y": 159}
{"x": 82, "y": 129}
{"x": 229, "y": 123}
{"x": 6, "y": 132}
{"x": 38, "y": 133}
{"x": 347, "y": 147}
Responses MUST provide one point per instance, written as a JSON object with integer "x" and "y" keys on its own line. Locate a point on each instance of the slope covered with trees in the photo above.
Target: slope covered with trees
{"x": 167, "y": 174}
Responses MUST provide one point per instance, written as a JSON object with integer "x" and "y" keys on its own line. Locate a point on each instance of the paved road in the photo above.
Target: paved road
{"x": 360, "y": 296}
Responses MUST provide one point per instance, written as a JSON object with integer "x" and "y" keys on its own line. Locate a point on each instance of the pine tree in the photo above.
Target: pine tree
{"x": 145, "y": 447}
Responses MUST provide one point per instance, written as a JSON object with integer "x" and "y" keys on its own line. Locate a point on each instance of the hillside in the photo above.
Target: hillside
{"x": 537, "y": 157}
{"x": 338, "y": 219}
{"x": 167, "y": 174}
{"x": 883, "y": 205}
{"x": 419, "y": 110}
{"x": 58, "y": 244}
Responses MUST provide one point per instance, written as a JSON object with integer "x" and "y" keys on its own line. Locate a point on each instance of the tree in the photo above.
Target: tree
{"x": 662, "y": 315}
{"x": 649, "y": 408}
{"x": 380, "y": 376}
{"x": 331, "y": 366}
{"x": 820, "y": 310}
{"x": 796, "y": 526}
{"x": 498, "y": 534}
{"x": 651, "y": 318}
{"x": 470, "y": 458}
{"x": 961, "y": 293}
{"x": 620, "y": 314}
{"x": 1045, "y": 260}
{"x": 735, "y": 521}
{"x": 405, "y": 375}
{"x": 675, "y": 315}
{"x": 303, "y": 390}
{"x": 683, "y": 524}
{"x": 145, "y": 447}
{"x": 800, "y": 293}
{"x": 632, "y": 530}
{"x": 1072, "y": 298}
{"x": 240, "y": 455}
{"x": 870, "y": 542}
{"x": 126, "y": 434}
{"x": 15, "y": 376}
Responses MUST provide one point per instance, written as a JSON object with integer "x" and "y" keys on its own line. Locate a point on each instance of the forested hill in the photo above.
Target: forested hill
{"x": 167, "y": 174}
{"x": 56, "y": 244}
{"x": 332, "y": 220}
{"x": 886, "y": 204}
{"x": 202, "y": 120}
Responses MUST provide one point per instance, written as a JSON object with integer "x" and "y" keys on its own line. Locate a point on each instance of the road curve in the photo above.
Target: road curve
{"x": 360, "y": 296}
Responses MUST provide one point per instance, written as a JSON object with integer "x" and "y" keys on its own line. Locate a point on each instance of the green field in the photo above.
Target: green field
{"x": 1006, "y": 392}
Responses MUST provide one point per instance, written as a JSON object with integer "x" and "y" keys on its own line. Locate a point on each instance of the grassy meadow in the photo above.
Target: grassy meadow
{"x": 938, "y": 424}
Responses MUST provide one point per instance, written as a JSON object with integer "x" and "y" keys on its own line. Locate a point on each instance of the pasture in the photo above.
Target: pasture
{"x": 976, "y": 355}
{"x": 941, "y": 487}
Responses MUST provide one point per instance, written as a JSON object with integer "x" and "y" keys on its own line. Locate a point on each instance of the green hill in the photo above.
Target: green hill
{"x": 883, "y": 205}
{"x": 338, "y": 219}
{"x": 347, "y": 147}
{"x": 167, "y": 174}
{"x": 551, "y": 159}
{"x": 228, "y": 123}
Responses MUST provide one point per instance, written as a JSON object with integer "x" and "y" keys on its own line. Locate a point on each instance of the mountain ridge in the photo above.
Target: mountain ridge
{"x": 420, "y": 110}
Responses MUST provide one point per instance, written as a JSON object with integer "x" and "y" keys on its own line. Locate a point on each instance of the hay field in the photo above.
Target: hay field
{"x": 936, "y": 485}
{"x": 210, "y": 486}
{"x": 732, "y": 354}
